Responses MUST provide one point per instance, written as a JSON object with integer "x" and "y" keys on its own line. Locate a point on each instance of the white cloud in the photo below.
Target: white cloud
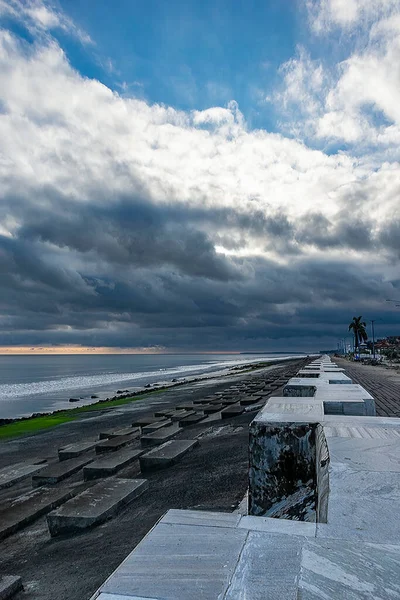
{"x": 325, "y": 15}
{"x": 40, "y": 16}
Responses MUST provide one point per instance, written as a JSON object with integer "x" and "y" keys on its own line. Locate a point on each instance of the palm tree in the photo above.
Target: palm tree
{"x": 360, "y": 333}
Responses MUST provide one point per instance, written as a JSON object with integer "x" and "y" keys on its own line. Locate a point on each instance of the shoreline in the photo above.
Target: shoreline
{"x": 17, "y": 426}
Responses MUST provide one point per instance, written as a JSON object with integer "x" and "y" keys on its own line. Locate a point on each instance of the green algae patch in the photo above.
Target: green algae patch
{"x": 26, "y": 426}
{"x": 39, "y": 423}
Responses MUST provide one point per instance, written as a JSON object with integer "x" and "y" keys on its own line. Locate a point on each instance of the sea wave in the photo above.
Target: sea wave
{"x": 8, "y": 391}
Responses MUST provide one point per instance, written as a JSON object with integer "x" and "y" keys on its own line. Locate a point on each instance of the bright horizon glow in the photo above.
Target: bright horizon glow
{"x": 43, "y": 350}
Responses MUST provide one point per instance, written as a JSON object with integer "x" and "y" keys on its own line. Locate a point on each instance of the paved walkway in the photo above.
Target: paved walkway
{"x": 381, "y": 383}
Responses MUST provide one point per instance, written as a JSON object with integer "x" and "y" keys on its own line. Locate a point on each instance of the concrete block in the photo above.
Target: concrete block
{"x": 247, "y": 400}
{"x": 115, "y": 444}
{"x": 201, "y": 518}
{"x": 18, "y": 472}
{"x": 232, "y": 411}
{"x": 95, "y": 505}
{"x": 159, "y": 437}
{"x": 181, "y": 414}
{"x": 107, "y": 435}
{"x": 156, "y": 426}
{"x": 105, "y": 467}
{"x": 166, "y": 454}
{"x": 192, "y": 420}
{"x": 208, "y": 409}
{"x": 59, "y": 471}
{"x": 26, "y": 509}
{"x": 75, "y": 450}
{"x": 143, "y": 421}
{"x": 9, "y": 586}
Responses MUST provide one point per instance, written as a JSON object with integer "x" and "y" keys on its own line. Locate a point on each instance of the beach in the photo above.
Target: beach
{"x": 213, "y": 476}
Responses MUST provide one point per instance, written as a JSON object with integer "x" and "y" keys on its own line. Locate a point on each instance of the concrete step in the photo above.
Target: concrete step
{"x": 160, "y": 436}
{"x": 232, "y": 411}
{"x": 147, "y": 420}
{"x": 59, "y": 471}
{"x": 106, "y": 435}
{"x": 75, "y": 450}
{"x": 186, "y": 406}
{"x": 191, "y": 420}
{"x": 228, "y": 402}
{"x": 18, "y": 472}
{"x": 156, "y": 426}
{"x": 26, "y": 509}
{"x": 109, "y": 465}
{"x": 95, "y": 505}
{"x": 9, "y": 586}
{"x": 164, "y": 412}
{"x": 115, "y": 444}
{"x": 165, "y": 455}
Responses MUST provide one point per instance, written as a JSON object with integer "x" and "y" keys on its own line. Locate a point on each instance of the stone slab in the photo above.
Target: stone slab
{"x": 156, "y": 426}
{"x": 268, "y": 568}
{"x": 366, "y": 454}
{"x": 179, "y": 562}
{"x": 23, "y": 511}
{"x": 143, "y": 421}
{"x": 106, "y": 435}
{"x": 9, "y": 586}
{"x": 18, "y": 472}
{"x": 338, "y": 569}
{"x": 208, "y": 409}
{"x": 95, "y": 505}
{"x": 278, "y": 526}
{"x": 159, "y": 437}
{"x": 201, "y": 518}
{"x": 166, "y": 454}
{"x": 363, "y": 505}
{"x": 57, "y": 472}
{"x": 192, "y": 420}
{"x": 115, "y": 444}
{"x": 180, "y": 414}
{"x": 247, "y": 400}
{"x": 107, "y": 466}
{"x": 75, "y": 450}
{"x": 232, "y": 411}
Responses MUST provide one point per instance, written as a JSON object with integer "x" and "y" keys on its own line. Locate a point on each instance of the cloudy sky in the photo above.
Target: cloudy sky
{"x": 184, "y": 175}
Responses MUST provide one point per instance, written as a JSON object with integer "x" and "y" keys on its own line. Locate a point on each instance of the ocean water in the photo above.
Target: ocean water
{"x": 30, "y": 384}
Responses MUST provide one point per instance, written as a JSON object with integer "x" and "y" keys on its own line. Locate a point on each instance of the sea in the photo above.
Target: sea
{"x": 45, "y": 383}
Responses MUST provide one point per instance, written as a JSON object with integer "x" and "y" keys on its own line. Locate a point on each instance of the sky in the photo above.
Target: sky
{"x": 192, "y": 176}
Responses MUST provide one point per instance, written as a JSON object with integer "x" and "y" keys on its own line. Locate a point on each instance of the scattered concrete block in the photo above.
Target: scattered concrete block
{"x": 247, "y": 400}
{"x": 75, "y": 450}
{"x": 165, "y": 455}
{"x": 143, "y": 421}
{"x": 9, "y": 585}
{"x": 191, "y": 420}
{"x": 160, "y": 436}
{"x": 116, "y": 443}
{"x": 95, "y": 505}
{"x": 208, "y": 409}
{"x": 181, "y": 414}
{"x": 156, "y": 426}
{"x": 59, "y": 471}
{"x": 106, "y": 435}
{"x": 23, "y": 511}
{"x": 232, "y": 411}
{"x": 105, "y": 467}
{"x": 14, "y": 473}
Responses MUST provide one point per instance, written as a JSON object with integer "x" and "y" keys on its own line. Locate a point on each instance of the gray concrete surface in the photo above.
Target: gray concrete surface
{"x": 15, "y": 473}
{"x": 95, "y": 505}
{"x": 56, "y": 472}
{"x": 110, "y": 465}
{"x": 165, "y": 455}
{"x": 9, "y": 586}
